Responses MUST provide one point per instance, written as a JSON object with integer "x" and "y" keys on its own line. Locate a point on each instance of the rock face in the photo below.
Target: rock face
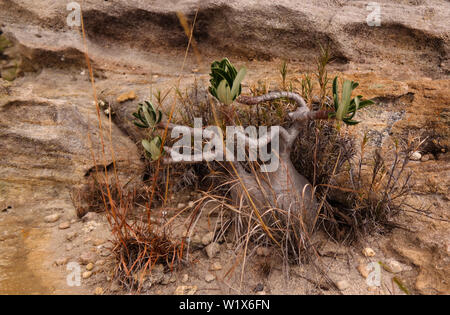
{"x": 48, "y": 140}
{"x": 410, "y": 33}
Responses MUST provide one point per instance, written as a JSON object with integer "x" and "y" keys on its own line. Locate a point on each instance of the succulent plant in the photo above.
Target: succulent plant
{"x": 153, "y": 147}
{"x": 147, "y": 116}
{"x": 344, "y": 105}
{"x": 225, "y": 81}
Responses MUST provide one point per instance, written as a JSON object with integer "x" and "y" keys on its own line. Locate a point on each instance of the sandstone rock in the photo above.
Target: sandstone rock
{"x": 368, "y": 252}
{"x": 131, "y": 95}
{"x": 86, "y": 258}
{"x": 71, "y": 236}
{"x": 98, "y": 291}
{"x": 216, "y": 266}
{"x": 362, "y": 268}
{"x": 393, "y": 266}
{"x": 350, "y": 37}
{"x": 64, "y": 225}
{"x": 415, "y": 156}
{"x": 212, "y": 250}
{"x": 210, "y": 277}
{"x": 52, "y": 218}
{"x": 342, "y": 285}
{"x": 425, "y": 157}
{"x": 89, "y": 267}
{"x": 51, "y": 132}
{"x": 208, "y": 238}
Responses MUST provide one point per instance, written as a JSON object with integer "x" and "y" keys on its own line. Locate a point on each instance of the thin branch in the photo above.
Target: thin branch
{"x": 253, "y": 100}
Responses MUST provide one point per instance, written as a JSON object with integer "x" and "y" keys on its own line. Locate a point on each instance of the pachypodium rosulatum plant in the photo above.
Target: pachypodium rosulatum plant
{"x": 284, "y": 188}
{"x": 226, "y": 81}
{"x": 148, "y": 117}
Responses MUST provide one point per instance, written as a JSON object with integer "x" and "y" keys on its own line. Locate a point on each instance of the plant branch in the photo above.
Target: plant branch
{"x": 253, "y": 100}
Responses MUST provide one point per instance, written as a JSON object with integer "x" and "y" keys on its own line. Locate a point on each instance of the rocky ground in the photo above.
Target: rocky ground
{"x": 49, "y": 132}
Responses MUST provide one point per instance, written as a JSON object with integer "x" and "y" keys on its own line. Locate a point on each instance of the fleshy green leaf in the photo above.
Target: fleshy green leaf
{"x": 153, "y": 147}
{"x": 345, "y": 100}
{"x": 335, "y": 93}
{"x": 237, "y": 83}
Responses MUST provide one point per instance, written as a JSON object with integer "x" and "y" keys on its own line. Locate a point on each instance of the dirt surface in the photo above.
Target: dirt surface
{"x": 49, "y": 127}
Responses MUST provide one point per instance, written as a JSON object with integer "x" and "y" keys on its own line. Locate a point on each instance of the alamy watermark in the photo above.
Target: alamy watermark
{"x": 74, "y": 17}
{"x": 374, "y": 17}
{"x": 374, "y": 277}
{"x": 73, "y": 278}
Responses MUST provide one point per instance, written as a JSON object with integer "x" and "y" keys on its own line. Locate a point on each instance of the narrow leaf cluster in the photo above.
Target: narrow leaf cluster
{"x": 225, "y": 81}
{"x": 344, "y": 105}
{"x": 148, "y": 117}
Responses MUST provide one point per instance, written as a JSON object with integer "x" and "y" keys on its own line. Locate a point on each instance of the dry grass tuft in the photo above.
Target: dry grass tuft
{"x": 138, "y": 253}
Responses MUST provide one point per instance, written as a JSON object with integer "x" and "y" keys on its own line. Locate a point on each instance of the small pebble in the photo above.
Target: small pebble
{"x": 208, "y": 238}
{"x": 86, "y": 274}
{"x": 86, "y": 258}
{"x": 210, "y": 277}
{"x": 362, "y": 268}
{"x": 342, "y": 285}
{"x": 216, "y": 266}
{"x": 368, "y": 252}
{"x": 181, "y": 205}
{"x": 394, "y": 266}
{"x": 425, "y": 158}
{"x": 64, "y": 225}
{"x": 52, "y": 218}
{"x": 100, "y": 262}
{"x": 259, "y": 287}
{"x": 131, "y": 95}
{"x": 212, "y": 250}
{"x": 98, "y": 291}
{"x": 185, "y": 278}
{"x": 191, "y": 204}
{"x": 70, "y": 236}
{"x": 415, "y": 156}
{"x": 89, "y": 266}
